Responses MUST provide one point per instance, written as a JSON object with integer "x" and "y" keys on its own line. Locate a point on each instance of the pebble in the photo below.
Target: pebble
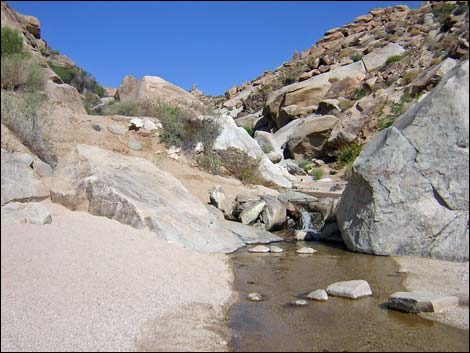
{"x": 255, "y": 297}
{"x": 319, "y": 294}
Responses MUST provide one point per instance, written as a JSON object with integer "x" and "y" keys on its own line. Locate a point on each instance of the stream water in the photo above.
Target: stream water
{"x": 336, "y": 325}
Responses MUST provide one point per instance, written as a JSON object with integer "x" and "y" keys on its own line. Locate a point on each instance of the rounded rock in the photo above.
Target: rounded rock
{"x": 259, "y": 248}
{"x": 306, "y": 251}
{"x": 319, "y": 294}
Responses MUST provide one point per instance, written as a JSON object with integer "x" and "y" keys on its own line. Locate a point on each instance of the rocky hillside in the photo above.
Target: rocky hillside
{"x": 362, "y": 75}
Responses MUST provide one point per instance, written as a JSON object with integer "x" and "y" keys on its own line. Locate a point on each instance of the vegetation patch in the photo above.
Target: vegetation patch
{"x": 316, "y": 173}
{"x": 393, "y": 59}
{"x": 346, "y": 155}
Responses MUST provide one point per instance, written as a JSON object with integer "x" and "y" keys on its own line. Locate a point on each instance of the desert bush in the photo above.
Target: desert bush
{"x": 266, "y": 148}
{"x": 241, "y": 165}
{"x": 393, "y": 59}
{"x": 409, "y": 76}
{"x": 304, "y": 164}
{"x": 386, "y": 122}
{"x": 210, "y": 162}
{"x": 356, "y": 56}
{"x": 443, "y": 10}
{"x": 346, "y": 155}
{"x": 20, "y": 72}
{"x": 360, "y": 93}
{"x": 12, "y": 42}
{"x": 24, "y": 116}
{"x": 317, "y": 173}
{"x": 122, "y": 108}
{"x": 173, "y": 122}
{"x": 80, "y": 79}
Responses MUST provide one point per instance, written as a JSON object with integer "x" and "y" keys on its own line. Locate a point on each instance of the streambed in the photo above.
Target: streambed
{"x": 336, "y": 325}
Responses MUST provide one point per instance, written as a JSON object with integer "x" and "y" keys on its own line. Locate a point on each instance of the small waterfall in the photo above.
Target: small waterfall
{"x": 308, "y": 226}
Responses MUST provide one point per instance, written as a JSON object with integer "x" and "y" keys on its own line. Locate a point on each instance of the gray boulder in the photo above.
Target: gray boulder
{"x": 274, "y": 215}
{"x": 30, "y": 212}
{"x": 19, "y": 182}
{"x": 350, "y": 289}
{"x": 218, "y": 198}
{"x": 234, "y": 140}
{"x": 250, "y": 211}
{"x": 409, "y": 191}
{"x": 134, "y": 191}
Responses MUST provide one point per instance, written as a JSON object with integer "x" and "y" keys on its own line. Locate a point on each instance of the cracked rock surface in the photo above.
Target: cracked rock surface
{"x": 409, "y": 192}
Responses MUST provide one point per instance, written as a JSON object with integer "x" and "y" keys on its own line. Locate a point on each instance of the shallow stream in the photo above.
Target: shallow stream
{"x": 336, "y": 325}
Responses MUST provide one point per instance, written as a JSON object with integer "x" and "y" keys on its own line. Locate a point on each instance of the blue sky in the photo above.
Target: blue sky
{"x": 211, "y": 44}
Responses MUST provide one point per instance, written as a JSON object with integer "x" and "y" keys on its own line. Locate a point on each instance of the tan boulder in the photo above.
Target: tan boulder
{"x": 364, "y": 18}
{"x": 31, "y": 24}
{"x": 331, "y": 37}
{"x": 310, "y": 92}
{"x": 155, "y": 89}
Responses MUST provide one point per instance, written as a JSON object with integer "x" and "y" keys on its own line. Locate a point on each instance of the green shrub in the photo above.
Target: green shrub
{"x": 210, "y": 162}
{"x": 288, "y": 80}
{"x": 267, "y": 148}
{"x": 80, "y": 79}
{"x": 348, "y": 154}
{"x": 393, "y": 59}
{"x": 122, "y": 108}
{"x": 12, "y": 42}
{"x": 303, "y": 163}
{"x": 386, "y": 122}
{"x": 356, "y": 56}
{"x": 249, "y": 129}
{"x": 317, "y": 173}
{"x": 443, "y": 10}
{"x": 360, "y": 93}
{"x": 173, "y": 122}
{"x": 20, "y": 72}
{"x": 24, "y": 116}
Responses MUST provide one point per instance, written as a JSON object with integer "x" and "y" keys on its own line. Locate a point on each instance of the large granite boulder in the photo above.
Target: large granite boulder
{"x": 155, "y": 89}
{"x": 25, "y": 212}
{"x": 409, "y": 191}
{"x": 134, "y": 191}
{"x": 306, "y": 137}
{"x": 235, "y": 139}
{"x": 19, "y": 182}
{"x": 379, "y": 56}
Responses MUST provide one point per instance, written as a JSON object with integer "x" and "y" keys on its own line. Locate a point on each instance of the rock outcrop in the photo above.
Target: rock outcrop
{"x": 134, "y": 191}
{"x": 409, "y": 192}
{"x": 19, "y": 181}
{"x": 234, "y": 140}
{"x": 155, "y": 89}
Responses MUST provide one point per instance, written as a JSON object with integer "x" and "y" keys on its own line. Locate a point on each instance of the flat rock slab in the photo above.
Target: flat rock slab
{"x": 306, "y": 251}
{"x": 31, "y": 212}
{"x": 350, "y": 289}
{"x": 416, "y": 302}
{"x": 134, "y": 191}
{"x": 249, "y": 234}
{"x": 275, "y": 249}
{"x": 260, "y": 249}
